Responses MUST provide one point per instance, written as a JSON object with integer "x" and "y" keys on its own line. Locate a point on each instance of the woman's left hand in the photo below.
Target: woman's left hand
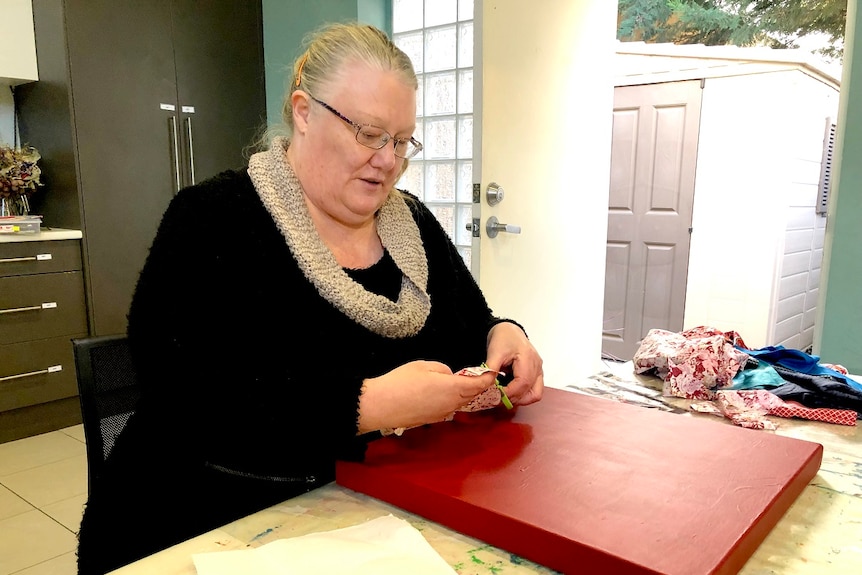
{"x": 509, "y": 349}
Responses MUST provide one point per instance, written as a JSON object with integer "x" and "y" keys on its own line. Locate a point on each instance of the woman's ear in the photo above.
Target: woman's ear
{"x": 300, "y": 108}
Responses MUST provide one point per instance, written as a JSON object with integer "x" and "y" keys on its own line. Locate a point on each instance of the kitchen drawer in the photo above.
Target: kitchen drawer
{"x": 41, "y": 306}
{"x": 38, "y": 419}
{"x": 22, "y": 258}
{"x": 37, "y": 372}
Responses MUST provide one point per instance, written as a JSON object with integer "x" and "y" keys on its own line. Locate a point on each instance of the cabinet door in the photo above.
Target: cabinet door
{"x": 122, "y": 70}
{"x": 220, "y": 74}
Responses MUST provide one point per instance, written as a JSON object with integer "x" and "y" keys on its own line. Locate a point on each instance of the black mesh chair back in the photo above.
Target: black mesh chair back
{"x": 108, "y": 391}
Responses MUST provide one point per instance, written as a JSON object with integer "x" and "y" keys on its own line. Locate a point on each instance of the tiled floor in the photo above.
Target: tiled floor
{"x": 43, "y": 488}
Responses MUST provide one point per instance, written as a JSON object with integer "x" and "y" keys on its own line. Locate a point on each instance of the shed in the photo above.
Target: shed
{"x": 720, "y": 157}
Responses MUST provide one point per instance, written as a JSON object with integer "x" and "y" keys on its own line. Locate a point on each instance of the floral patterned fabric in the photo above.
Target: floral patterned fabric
{"x": 747, "y": 408}
{"x": 692, "y": 363}
{"x": 744, "y": 408}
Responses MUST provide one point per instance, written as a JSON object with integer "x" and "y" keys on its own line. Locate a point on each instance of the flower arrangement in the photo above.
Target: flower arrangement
{"x": 19, "y": 178}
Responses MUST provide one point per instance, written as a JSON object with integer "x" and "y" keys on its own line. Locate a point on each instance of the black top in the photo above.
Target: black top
{"x": 382, "y": 278}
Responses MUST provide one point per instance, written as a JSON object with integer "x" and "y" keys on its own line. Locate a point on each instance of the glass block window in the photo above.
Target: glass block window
{"x": 438, "y": 37}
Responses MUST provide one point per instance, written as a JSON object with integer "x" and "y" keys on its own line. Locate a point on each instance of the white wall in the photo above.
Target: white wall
{"x": 17, "y": 58}
{"x": 758, "y": 165}
{"x": 7, "y": 121}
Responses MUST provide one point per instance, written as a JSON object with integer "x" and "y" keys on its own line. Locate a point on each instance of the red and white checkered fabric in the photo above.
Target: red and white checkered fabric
{"x": 839, "y": 416}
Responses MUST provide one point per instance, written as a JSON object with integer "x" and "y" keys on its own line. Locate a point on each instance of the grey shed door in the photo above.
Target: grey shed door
{"x": 653, "y": 164}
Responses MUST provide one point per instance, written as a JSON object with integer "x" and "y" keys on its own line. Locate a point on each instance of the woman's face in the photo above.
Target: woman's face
{"x": 343, "y": 179}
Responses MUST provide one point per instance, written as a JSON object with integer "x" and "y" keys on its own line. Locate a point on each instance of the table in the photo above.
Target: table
{"x": 820, "y": 534}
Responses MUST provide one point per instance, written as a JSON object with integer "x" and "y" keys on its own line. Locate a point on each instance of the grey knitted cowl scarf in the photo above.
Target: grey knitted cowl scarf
{"x": 282, "y": 195}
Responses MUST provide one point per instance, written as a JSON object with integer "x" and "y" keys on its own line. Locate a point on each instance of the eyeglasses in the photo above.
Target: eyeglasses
{"x": 375, "y": 138}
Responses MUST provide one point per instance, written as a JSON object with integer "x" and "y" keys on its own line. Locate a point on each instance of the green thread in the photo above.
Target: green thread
{"x": 503, "y": 397}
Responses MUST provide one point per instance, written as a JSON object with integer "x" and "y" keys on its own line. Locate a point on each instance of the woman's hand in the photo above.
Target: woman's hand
{"x": 509, "y": 349}
{"x": 416, "y": 393}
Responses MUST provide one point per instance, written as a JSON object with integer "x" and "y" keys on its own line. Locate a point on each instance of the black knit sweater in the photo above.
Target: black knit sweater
{"x": 250, "y": 378}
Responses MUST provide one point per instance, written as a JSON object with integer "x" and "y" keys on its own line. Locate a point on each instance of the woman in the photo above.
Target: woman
{"x": 289, "y": 312}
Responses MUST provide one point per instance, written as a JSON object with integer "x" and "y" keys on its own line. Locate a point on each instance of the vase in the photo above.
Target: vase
{"x": 14, "y": 206}
{"x": 6, "y": 207}
{"x": 23, "y": 205}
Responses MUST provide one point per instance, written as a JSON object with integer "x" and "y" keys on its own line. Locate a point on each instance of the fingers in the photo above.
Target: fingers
{"x": 532, "y": 394}
{"x": 528, "y": 383}
{"x": 469, "y": 386}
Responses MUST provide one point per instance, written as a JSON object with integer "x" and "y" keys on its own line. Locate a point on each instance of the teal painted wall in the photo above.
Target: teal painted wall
{"x": 375, "y": 12}
{"x": 840, "y": 307}
{"x": 285, "y": 24}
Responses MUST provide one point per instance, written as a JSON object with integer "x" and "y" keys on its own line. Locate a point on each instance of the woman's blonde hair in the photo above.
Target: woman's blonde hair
{"x": 325, "y": 52}
{"x": 329, "y": 48}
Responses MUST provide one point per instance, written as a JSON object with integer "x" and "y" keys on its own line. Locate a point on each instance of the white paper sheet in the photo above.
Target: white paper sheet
{"x": 383, "y": 546}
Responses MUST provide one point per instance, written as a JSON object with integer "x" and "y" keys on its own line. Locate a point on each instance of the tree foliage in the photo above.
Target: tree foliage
{"x": 774, "y": 23}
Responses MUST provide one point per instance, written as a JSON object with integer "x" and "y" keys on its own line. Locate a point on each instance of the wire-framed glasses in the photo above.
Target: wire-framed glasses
{"x": 375, "y": 138}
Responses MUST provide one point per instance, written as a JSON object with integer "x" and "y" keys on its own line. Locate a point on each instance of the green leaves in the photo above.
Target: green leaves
{"x": 774, "y": 23}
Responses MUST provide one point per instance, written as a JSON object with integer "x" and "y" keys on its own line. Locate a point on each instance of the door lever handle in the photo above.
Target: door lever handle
{"x": 493, "y": 227}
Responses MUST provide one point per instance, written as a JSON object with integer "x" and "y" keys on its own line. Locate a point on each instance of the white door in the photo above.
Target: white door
{"x": 543, "y": 117}
{"x": 653, "y": 166}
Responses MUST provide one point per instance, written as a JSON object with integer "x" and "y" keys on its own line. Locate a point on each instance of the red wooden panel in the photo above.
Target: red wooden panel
{"x": 584, "y": 484}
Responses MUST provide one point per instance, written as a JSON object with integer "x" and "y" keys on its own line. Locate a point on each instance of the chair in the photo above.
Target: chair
{"x": 108, "y": 392}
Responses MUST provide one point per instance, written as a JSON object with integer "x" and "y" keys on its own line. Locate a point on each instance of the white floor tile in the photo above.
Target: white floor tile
{"x": 65, "y": 564}
{"x": 11, "y": 504}
{"x": 30, "y": 452}
{"x": 51, "y": 482}
{"x": 75, "y": 432}
{"x": 32, "y": 538}
{"x": 68, "y": 512}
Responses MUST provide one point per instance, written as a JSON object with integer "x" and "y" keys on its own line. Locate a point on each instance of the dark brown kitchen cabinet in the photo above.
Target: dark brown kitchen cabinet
{"x": 41, "y": 309}
{"x": 136, "y": 99}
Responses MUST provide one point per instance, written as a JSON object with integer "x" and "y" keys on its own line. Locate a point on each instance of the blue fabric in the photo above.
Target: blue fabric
{"x": 763, "y": 376}
{"x": 798, "y": 361}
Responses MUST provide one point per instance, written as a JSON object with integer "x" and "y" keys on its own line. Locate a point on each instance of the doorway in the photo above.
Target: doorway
{"x": 653, "y": 166}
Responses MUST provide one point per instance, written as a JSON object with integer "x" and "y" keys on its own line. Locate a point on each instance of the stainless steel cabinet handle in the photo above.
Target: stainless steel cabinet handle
{"x": 36, "y": 258}
{"x": 52, "y": 369}
{"x": 20, "y": 309}
{"x": 493, "y": 227}
{"x": 191, "y": 150}
{"x": 173, "y": 128}
{"x": 46, "y": 305}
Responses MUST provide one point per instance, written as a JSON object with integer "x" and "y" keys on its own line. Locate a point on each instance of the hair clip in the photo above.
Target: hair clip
{"x": 299, "y": 70}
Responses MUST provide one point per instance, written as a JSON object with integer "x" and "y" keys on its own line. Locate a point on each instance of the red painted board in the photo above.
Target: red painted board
{"x": 582, "y": 484}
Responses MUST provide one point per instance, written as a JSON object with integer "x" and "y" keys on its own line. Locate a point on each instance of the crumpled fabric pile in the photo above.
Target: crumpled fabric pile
{"x": 744, "y": 385}
{"x": 692, "y": 363}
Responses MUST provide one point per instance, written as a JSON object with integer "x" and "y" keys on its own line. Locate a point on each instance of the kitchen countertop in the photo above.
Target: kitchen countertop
{"x": 46, "y": 234}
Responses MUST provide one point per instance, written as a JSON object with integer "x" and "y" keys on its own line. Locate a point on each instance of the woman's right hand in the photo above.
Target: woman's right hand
{"x": 416, "y": 393}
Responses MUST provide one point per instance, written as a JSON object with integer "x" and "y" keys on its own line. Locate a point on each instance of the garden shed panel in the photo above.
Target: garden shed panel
{"x": 756, "y": 243}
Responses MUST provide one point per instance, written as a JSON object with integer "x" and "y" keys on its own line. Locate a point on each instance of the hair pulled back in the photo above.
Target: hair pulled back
{"x": 333, "y": 46}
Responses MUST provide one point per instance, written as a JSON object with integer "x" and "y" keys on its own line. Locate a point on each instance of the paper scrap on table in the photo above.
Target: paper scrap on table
{"x": 383, "y": 546}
